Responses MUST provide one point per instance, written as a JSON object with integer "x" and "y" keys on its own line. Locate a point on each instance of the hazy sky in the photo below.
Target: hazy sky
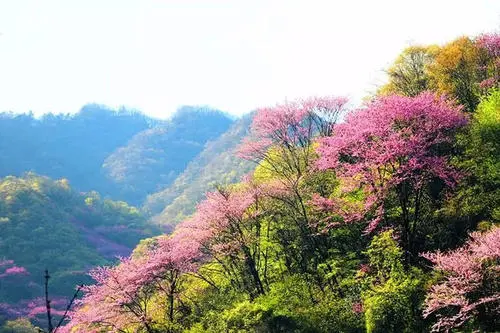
{"x": 156, "y": 55}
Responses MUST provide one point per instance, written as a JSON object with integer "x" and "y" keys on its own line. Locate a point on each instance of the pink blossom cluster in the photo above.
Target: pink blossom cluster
{"x": 37, "y": 307}
{"x": 218, "y": 213}
{"x": 470, "y": 281}
{"x": 488, "y": 83}
{"x": 391, "y": 141}
{"x": 292, "y": 123}
{"x": 120, "y": 297}
{"x": 13, "y": 270}
{"x": 490, "y": 42}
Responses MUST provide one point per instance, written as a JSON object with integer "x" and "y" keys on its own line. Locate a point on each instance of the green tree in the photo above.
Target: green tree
{"x": 392, "y": 294}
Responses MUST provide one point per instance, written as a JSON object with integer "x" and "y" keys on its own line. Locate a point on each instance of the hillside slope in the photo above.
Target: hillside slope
{"x": 67, "y": 146}
{"x": 46, "y": 225}
{"x": 153, "y": 158}
{"x": 216, "y": 164}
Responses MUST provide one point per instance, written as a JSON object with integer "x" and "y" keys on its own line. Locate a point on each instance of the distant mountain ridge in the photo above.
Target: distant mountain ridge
{"x": 123, "y": 154}
{"x": 67, "y": 146}
{"x": 153, "y": 158}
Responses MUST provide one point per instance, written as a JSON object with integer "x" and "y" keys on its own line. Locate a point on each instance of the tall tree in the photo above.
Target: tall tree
{"x": 395, "y": 148}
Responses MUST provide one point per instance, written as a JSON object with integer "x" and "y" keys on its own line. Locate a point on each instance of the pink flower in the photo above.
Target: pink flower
{"x": 392, "y": 141}
{"x": 471, "y": 280}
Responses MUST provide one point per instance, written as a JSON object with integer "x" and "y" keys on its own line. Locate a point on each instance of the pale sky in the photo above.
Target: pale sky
{"x": 155, "y": 55}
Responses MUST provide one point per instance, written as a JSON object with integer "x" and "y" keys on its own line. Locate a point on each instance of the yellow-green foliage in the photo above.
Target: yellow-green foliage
{"x": 392, "y": 294}
{"x": 480, "y": 195}
{"x": 408, "y": 74}
{"x": 21, "y": 325}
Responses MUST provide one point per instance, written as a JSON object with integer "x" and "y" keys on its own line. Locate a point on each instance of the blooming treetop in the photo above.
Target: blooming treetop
{"x": 392, "y": 141}
{"x": 290, "y": 125}
{"x": 491, "y": 42}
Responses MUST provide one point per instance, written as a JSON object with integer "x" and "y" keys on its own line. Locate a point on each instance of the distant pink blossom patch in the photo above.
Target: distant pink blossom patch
{"x": 13, "y": 270}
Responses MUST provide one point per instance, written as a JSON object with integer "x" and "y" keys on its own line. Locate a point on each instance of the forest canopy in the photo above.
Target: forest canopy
{"x": 383, "y": 218}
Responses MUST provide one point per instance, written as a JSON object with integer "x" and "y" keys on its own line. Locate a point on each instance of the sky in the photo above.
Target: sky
{"x": 156, "y": 55}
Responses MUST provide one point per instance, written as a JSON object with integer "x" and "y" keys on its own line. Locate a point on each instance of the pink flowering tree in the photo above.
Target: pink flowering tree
{"x": 118, "y": 300}
{"x": 388, "y": 154}
{"x": 282, "y": 142}
{"x": 491, "y": 42}
{"x": 226, "y": 228}
{"x": 491, "y": 61}
{"x": 290, "y": 129}
{"x": 469, "y": 291}
{"x": 131, "y": 294}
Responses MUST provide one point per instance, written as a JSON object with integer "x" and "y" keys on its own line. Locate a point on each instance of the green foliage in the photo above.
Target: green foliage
{"x": 479, "y": 196}
{"x": 48, "y": 225}
{"x": 392, "y": 293}
{"x": 408, "y": 75}
{"x": 21, "y": 325}
{"x": 292, "y": 305}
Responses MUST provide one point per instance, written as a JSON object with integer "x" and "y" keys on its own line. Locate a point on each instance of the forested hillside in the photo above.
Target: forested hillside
{"x": 387, "y": 221}
{"x": 121, "y": 154}
{"x": 215, "y": 165}
{"x": 152, "y": 159}
{"x": 45, "y": 224}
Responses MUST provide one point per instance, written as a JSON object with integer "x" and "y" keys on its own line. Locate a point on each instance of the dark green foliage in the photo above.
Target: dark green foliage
{"x": 46, "y": 224}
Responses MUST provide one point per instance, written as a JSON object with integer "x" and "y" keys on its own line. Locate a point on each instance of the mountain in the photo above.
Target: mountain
{"x": 122, "y": 154}
{"x": 216, "y": 164}
{"x": 67, "y": 146}
{"x": 45, "y": 224}
{"x": 153, "y": 158}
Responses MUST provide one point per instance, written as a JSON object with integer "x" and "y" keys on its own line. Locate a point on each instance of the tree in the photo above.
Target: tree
{"x": 391, "y": 295}
{"x": 282, "y": 142}
{"x": 491, "y": 60}
{"x": 479, "y": 194}
{"x": 129, "y": 294}
{"x": 463, "y": 69}
{"x": 408, "y": 75}
{"x": 290, "y": 129}
{"x": 395, "y": 147}
{"x": 227, "y": 225}
{"x": 470, "y": 288}
{"x": 455, "y": 71}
